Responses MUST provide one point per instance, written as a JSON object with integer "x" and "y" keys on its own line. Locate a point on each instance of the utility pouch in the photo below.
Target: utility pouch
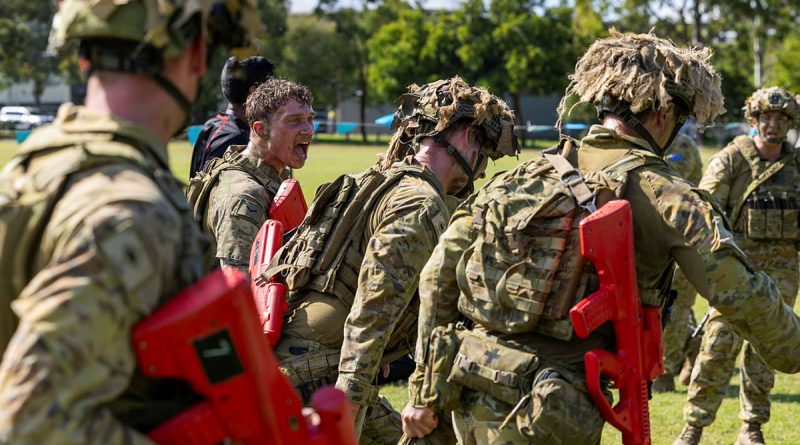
{"x": 774, "y": 223}
{"x": 756, "y": 214}
{"x": 790, "y": 223}
{"x": 438, "y": 392}
{"x": 487, "y": 366}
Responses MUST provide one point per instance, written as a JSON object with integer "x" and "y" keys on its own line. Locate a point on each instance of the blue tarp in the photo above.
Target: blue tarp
{"x": 385, "y": 120}
{"x": 22, "y": 135}
{"x": 193, "y": 132}
{"x": 345, "y": 127}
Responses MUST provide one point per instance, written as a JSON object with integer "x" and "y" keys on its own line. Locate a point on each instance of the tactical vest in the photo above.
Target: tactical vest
{"x": 33, "y": 183}
{"x": 523, "y": 270}
{"x": 768, "y": 208}
{"x": 324, "y": 255}
{"x": 199, "y": 190}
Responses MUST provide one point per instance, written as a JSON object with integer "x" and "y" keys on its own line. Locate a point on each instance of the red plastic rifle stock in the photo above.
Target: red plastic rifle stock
{"x": 607, "y": 241}
{"x": 287, "y": 212}
{"x": 209, "y": 335}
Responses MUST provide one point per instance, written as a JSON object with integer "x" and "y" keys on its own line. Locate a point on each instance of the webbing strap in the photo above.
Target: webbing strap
{"x": 757, "y": 179}
{"x": 573, "y": 180}
{"x": 469, "y": 366}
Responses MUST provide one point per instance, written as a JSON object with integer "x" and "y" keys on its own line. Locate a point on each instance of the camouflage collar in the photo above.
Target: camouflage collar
{"x": 427, "y": 173}
{"x": 79, "y": 119}
{"x": 264, "y": 172}
{"x": 600, "y": 136}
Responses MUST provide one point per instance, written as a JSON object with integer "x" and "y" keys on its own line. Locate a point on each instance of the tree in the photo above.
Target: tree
{"x": 24, "y": 30}
{"x": 786, "y": 69}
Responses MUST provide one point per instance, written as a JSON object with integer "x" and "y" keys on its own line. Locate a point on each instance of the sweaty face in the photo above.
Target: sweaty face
{"x": 772, "y": 126}
{"x": 290, "y": 133}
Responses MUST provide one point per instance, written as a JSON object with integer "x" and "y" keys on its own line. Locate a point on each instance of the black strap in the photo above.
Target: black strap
{"x": 453, "y": 151}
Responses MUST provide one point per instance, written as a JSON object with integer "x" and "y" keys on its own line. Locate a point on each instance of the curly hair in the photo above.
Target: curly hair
{"x": 274, "y": 93}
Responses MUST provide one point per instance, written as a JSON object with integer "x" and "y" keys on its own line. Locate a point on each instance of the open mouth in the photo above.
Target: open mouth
{"x": 301, "y": 150}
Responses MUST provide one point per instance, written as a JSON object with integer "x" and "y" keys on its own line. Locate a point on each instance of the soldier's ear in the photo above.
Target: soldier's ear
{"x": 260, "y": 129}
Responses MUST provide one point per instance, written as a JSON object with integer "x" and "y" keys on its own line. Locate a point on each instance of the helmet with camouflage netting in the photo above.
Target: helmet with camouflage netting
{"x": 430, "y": 109}
{"x": 628, "y": 74}
{"x": 771, "y": 99}
{"x": 137, "y": 36}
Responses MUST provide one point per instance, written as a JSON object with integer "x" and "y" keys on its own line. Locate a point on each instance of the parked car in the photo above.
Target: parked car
{"x": 23, "y": 118}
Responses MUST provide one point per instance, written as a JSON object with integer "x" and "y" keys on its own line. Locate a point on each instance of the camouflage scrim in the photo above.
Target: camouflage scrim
{"x": 771, "y": 99}
{"x": 161, "y": 25}
{"x": 432, "y": 108}
{"x": 647, "y": 72}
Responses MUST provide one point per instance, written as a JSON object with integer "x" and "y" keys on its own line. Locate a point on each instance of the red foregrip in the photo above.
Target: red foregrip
{"x": 272, "y": 316}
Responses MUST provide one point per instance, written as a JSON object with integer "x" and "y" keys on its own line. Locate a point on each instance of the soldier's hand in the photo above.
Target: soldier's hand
{"x": 418, "y": 422}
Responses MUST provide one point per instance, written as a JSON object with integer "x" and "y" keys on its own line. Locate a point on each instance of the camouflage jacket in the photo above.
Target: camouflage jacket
{"x": 671, "y": 220}
{"x": 732, "y": 170}
{"x": 238, "y": 206}
{"x": 119, "y": 242}
{"x": 684, "y": 156}
{"x": 401, "y": 231}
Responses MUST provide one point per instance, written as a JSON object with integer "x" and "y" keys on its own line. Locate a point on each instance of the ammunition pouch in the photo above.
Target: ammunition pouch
{"x": 770, "y": 217}
{"x": 437, "y": 391}
{"x": 485, "y": 365}
{"x": 308, "y": 368}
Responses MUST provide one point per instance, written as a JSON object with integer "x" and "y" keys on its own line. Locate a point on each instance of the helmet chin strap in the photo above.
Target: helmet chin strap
{"x": 469, "y": 187}
{"x": 179, "y": 97}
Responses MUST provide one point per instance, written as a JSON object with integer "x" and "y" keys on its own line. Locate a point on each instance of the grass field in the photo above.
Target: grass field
{"x": 327, "y": 160}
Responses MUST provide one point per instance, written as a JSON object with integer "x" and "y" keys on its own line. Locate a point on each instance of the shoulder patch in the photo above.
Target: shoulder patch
{"x": 249, "y": 209}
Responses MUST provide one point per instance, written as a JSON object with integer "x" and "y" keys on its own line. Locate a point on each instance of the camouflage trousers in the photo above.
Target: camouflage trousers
{"x": 676, "y": 337}
{"x": 556, "y": 411}
{"x": 310, "y": 366}
{"x": 721, "y": 346}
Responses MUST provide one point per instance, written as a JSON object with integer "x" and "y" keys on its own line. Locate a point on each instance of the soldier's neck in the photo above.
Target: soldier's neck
{"x": 134, "y": 98}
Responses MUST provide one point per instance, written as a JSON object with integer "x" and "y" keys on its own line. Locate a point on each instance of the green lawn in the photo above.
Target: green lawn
{"x": 331, "y": 158}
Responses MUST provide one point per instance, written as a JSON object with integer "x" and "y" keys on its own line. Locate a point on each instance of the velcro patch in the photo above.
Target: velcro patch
{"x": 127, "y": 256}
{"x": 249, "y": 209}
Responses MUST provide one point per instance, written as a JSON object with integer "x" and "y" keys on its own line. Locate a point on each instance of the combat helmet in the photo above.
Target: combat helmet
{"x": 627, "y": 74}
{"x": 430, "y": 109}
{"x": 771, "y": 99}
{"x": 138, "y": 35}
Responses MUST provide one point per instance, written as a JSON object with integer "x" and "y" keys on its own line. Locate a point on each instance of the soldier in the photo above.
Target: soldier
{"x": 94, "y": 229}
{"x": 355, "y": 261}
{"x": 239, "y": 78}
{"x": 679, "y": 346}
{"x": 236, "y": 203}
{"x": 513, "y": 271}
{"x": 755, "y": 181}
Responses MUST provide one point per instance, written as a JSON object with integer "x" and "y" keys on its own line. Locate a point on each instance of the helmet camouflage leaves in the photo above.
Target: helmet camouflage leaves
{"x": 771, "y": 99}
{"x": 645, "y": 72}
{"x": 429, "y": 109}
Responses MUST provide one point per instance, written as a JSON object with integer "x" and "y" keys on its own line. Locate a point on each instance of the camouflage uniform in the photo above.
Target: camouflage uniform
{"x": 513, "y": 271}
{"x": 727, "y": 178}
{"x": 684, "y": 157}
{"x": 119, "y": 242}
{"x": 682, "y": 224}
{"x": 238, "y": 205}
{"x": 345, "y": 337}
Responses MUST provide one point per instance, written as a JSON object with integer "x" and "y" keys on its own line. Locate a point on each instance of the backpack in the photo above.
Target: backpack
{"x": 336, "y": 217}
{"x": 30, "y": 187}
{"x": 199, "y": 189}
{"x": 523, "y": 270}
